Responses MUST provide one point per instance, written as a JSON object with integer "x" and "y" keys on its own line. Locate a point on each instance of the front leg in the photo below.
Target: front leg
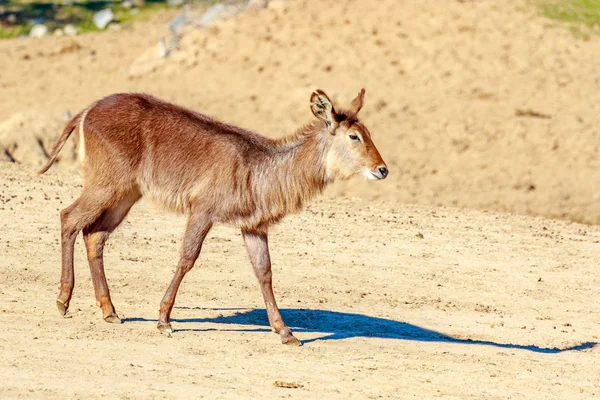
{"x": 197, "y": 228}
{"x": 258, "y": 250}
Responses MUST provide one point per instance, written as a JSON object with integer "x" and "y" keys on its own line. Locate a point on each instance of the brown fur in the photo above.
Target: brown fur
{"x": 135, "y": 145}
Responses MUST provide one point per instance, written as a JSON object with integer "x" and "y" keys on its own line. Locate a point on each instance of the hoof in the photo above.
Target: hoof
{"x": 289, "y": 339}
{"x": 166, "y": 328}
{"x": 113, "y": 319}
{"x": 62, "y": 307}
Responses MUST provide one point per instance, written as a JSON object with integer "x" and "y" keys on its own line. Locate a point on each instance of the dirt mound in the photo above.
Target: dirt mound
{"x": 27, "y": 138}
{"x": 475, "y": 104}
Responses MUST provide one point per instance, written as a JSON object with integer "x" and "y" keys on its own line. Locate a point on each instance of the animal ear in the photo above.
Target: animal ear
{"x": 322, "y": 107}
{"x": 356, "y": 104}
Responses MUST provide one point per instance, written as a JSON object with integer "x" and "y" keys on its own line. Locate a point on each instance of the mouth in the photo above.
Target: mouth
{"x": 373, "y": 176}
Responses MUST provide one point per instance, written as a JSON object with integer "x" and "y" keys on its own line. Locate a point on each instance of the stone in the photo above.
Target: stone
{"x": 38, "y": 31}
{"x": 178, "y": 23}
{"x": 162, "y": 48}
{"x": 127, "y": 4}
{"x": 218, "y": 11}
{"x": 103, "y": 18}
{"x": 70, "y": 30}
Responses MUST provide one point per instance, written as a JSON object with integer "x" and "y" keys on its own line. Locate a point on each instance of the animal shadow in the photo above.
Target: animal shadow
{"x": 340, "y": 325}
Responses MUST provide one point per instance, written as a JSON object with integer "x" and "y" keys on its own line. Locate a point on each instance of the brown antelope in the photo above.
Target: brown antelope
{"x": 131, "y": 145}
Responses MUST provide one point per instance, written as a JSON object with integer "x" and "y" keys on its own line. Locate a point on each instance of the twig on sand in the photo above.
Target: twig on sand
{"x": 287, "y": 385}
{"x": 530, "y": 113}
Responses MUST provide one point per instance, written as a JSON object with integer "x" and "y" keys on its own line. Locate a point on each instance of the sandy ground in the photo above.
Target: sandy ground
{"x": 391, "y": 300}
{"x": 482, "y": 306}
{"x": 444, "y": 83}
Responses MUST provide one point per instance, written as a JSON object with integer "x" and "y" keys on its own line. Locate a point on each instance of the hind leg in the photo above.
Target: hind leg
{"x": 95, "y": 237}
{"x": 84, "y": 211}
{"x": 67, "y": 241}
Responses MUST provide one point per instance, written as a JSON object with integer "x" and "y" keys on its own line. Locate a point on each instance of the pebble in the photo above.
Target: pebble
{"x": 178, "y": 23}
{"x": 70, "y": 30}
{"x": 38, "y": 31}
{"x": 215, "y": 12}
{"x": 162, "y": 48}
{"x": 103, "y": 18}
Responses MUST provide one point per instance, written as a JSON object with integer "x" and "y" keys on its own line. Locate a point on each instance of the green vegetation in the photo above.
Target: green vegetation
{"x": 17, "y": 17}
{"x": 582, "y": 15}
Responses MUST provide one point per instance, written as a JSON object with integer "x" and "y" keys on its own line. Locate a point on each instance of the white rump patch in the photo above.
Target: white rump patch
{"x": 81, "y": 149}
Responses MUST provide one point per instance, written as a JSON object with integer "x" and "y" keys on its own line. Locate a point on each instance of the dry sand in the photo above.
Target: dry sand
{"x": 482, "y": 306}
{"x": 444, "y": 81}
{"x": 391, "y": 300}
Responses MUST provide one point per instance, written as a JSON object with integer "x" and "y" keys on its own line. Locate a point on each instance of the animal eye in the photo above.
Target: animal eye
{"x": 354, "y": 137}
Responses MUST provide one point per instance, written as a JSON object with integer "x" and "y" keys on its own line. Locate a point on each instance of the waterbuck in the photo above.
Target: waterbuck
{"x": 132, "y": 145}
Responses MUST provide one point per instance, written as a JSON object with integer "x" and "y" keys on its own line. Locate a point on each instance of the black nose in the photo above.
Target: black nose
{"x": 383, "y": 171}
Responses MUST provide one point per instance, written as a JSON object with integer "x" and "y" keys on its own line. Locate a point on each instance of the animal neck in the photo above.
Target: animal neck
{"x": 295, "y": 173}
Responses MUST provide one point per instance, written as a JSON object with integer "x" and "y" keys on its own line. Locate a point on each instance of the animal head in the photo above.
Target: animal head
{"x": 351, "y": 150}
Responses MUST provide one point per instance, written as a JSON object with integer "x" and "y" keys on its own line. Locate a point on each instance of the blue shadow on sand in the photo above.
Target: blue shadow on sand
{"x": 341, "y": 325}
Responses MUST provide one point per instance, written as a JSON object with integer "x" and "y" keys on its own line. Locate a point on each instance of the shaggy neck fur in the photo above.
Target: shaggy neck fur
{"x": 293, "y": 173}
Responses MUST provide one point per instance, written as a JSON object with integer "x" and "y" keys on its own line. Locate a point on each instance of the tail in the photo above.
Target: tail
{"x": 60, "y": 143}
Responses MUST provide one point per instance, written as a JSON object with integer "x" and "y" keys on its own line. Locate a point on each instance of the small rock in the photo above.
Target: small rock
{"x": 138, "y": 3}
{"x": 162, "y": 48}
{"x": 58, "y": 32}
{"x": 11, "y": 19}
{"x": 70, "y": 30}
{"x": 178, "y": 23}
{"x": 127, "y": 4}
{"x": 420, "y": 235}
{"x": 134, "y": 11}
{"x": 217, "y": 11}
{"x": 38, "y": 31}
{"x": 175, "y": 3}
{"x": 103, "y": 18}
